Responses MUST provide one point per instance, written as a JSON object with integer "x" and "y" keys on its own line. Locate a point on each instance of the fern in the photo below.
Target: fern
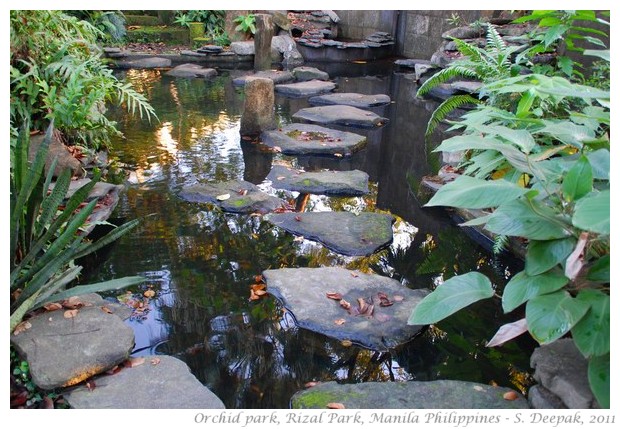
{"x": 445, "y": 108}
{"x": 500, "y": 243}
{"x": 134, "y": 99}
{"x": 444, "y": 76}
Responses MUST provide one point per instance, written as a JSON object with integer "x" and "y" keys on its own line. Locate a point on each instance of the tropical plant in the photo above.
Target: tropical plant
{"x": 57, "y": 73}
{"x": 488, "y": 64}
{"x": 213, "y": 19}
{"x": 540, "y": 165}
{"x": 111, "y": 23}
{"x": 246, "y": 24}
{"x": 45, "y": 240}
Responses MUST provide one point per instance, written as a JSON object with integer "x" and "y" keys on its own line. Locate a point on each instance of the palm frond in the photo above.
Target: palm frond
{"x": 445, "y": 108}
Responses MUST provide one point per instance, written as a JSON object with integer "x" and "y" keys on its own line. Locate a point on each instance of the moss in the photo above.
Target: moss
{"x": 141, "y": 20}
{"x": 313, "y": 135}
{"x": 168, "y": 35}
{"x": 319, "y": 398}
{"x": 241, "y": 202}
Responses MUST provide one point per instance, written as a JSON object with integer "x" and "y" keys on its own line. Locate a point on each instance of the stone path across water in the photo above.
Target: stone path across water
{"x": 192, "y": 71}
{"x": 275, "y": 75}
{"x": 343, "y": 232}
{"x": 439, "y": 394}
{"x": 354, "y": 99}
{"x": 303, "y": 291}
{"x": 338, "y": 183}
{"x": 306, "y": 88}
{"x": 340, "y": 115}
{"x": 307, "y": 139}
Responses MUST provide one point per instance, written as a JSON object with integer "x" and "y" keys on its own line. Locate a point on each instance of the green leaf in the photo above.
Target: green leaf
{"x": 109, "y": 285}
{"x": 578, "y": 181}
{"x": 469, "y": 192}
{"x": 592, "y": 213}
{"x": 554, "y": 33}
{"x": 592, "y": 333}
{"x": 543, "y": 255}
{"x": 567, "y": 132}
{"x": 525, "y": 103}
{"x": 599, "y": 271}
{"x": 449, "y": 297}
{"x": 551, "y": 316}
{"x": 522, "y": 288}
{"x": 604, "y": 54}
{"x": 526, "y": 218}
{"x": 598, "y": 376}
{"x": 522, "y": 138}
{"x": 599, "y": 160}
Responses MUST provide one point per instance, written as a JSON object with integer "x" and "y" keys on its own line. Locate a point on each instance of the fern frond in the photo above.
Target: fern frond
{"x": 445, "y": 75}
{"x": 472, "y": 52}
{"x": 134, "y": 99}
{"x": 494, "y": 40}
{"x": 445, "y": 108}
{"x": 500, "y": 243}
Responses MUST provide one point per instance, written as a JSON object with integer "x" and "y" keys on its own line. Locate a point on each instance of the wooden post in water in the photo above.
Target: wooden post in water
{"x": 262, "y": 41}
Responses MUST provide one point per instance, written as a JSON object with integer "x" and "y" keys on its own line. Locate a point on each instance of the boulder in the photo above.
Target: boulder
{"x": 243, "y": 48}
{"x": 305, "y": 89}
{"x": 470, "y": 87}
{"x": 465, "y": 32}
{"x": 361, "y": 101}
{"x": 309, "y": 73}
{"x": 306, "y": 139}
{"x": 338, "y": 183}
{"x": 57, "y": 150}
{"x": 422, "y": 70}
{"x": 340, "y": 115}
{"x": 258, "y": 107}
{"x": 192, "y": 71}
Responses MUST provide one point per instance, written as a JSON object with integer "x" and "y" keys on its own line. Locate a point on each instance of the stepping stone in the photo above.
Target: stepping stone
{"x": 275, "y": 75}
{"x": 338, "y": 183}
{"x": 343, "y": 232}
{"x": 210, "y": 49}
{"x": 235, "y": 196}
{"x": 189, "y": 53}
{"x": 191, "y": 71}
{"x": 160, "y": 382}
{"x": 65, "y": 351}
{"x": 305, "y": 89}
{"x": 410, "y": 62}
{"x": 351, "y": 99}
{"x": 466, "y": 86}
{"x": 145, "y": 63}
{"x": 438, "y": 394}
{"x": 306, "y": 139}
{"x": 243, "y": 47}
{"x": 305, "y": 73}
{"x": 340, "y": 115}
{"x": 302, "y": 292}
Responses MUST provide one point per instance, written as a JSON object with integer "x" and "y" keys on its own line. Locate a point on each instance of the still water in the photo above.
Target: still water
{"x": 201, "y": 262}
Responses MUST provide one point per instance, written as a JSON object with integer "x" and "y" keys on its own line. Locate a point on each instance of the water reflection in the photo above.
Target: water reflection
{"x": 202, "y": 262}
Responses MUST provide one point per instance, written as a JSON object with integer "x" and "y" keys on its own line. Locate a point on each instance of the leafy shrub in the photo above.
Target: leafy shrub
{"x": 246, "y": 24}
{"x": 111, "y": 23}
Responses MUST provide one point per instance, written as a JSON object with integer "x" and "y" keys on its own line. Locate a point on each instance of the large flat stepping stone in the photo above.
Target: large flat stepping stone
{"x": 305, "y": 89}
{"x": 439, "y": 394}
{"x": 343, "y": 232}
{"x": 235, "y": 196}
{"x": 192, "y": 71}
{"x": 276, "y": 76}
{"x": 338, "y": 183}
{"x": 65, "y": 351}
{"x": 303, "y": 292}
{"x": 145, "y": 63}
{"x": 354, "y": 99}
{"x": 160, "y": 382}
{"x": 306, "y": 139}
{"x": 304, "y": 73}
{"x": 340, "y": 115}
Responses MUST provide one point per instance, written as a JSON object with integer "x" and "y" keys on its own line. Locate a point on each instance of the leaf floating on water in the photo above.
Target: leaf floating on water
{"x": 52, "y": 306}
{"x": 336, "y": 406}
{"x": 70, "y": 314}
{"x": 150, "y": 293}
{"x": 510, "y": 396}
{"x": 222, "y": 197}
{"x": 346, "y": 343}
{"x": 334, "y": 295}
{"x": 155, "y": 361}
{"x": 134, "y": 362}
{"x": 24, "y": 326}
{"x": 340, "y": 322}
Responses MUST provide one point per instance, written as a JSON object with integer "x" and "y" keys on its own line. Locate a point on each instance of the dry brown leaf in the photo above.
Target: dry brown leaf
{"x": 136, "y": 361}
{"x": 260, "y": 292}
{"x": 258, "y": 286}
{"x": 575, "y": 261}
{"x": 114, "y": 370}
{"x": 242, "y": 192}
{"x": 15, "y": 295}
{"x": 510, "y": 396}
{"x": 150, "y": 293}
{"x": 48, "y": 403}
{"x": 299, "y": 239}
{"x": 339, "y": 321}
{"x": 253, "y": 296}
{"x": 73, "y": 303}
{"x": 334, "y": 295}
{"x": 259, "y": 278}
{"x": 24, "y": 326}
{"x": 106, "y": 310}
{"x": 298, "y": 218}
{"x": 281, "y": 177}
{"x": 91, "y": 385}
{"x": 277, "y": 149}
{"x": 346, "y": 343}
{"x": 310, "y": 384}
{"x": 354, "y": 274}
{"x": 345, "y": 304}
{"x": 155, "y": 361}
{"x": 398, "y": 298}
{"x": 53, "y": 306}
{"x": 69, "y": 314}
{"x": 336, "y": 406}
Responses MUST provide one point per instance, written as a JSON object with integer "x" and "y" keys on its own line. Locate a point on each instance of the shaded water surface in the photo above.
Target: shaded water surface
{"x": 201, "y": 262}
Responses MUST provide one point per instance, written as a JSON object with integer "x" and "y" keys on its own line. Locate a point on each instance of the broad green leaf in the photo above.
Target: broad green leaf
{"x": 525, "y": 218}
{"x": 471, "y": 193}
{"x": 604, "y": 54}
{"x": 592, "y": 333}
{"x": 599, "y": 160}
{"x": 592, "y": 213}
{"x": 599, "y": 271}
{"x": 109, "y": 285}
{"x": 449, "y": 297}
{"x": 551, "y": 316}
{"x": 522, "y": 138}
{"x": 525, "y": 104}
{"x": 522, "y": 288}
{"x": 476, "y": 221}
{"x": 598, "y": 376}
{"x": 468, "y": 141}
{"x": 554, "y": 33}
{"x": 578, "y": 181}
{"x": 567, "y": 132}
{"x": 543, "y": 255}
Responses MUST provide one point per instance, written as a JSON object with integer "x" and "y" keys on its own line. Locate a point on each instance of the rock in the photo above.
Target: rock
{"x": 306, "y": 139}
{"x": 339, "y": 183}
{"x": 465, "y": 32}
{"x": 542, "y": 399}
{"x": 276, "y": 76}
{"x": 442, "y": 91}
{"x": 442, "y": 59}
{"x": 210, "y": 49}
{"x": 361, "y": 101}
{"x": 292, "y": 58}
{"x": 243, "y": 48}
{"x": 258, "y": 107}
{"x": 438, "y": 394}
{"x": 422, "y": 70}
{"x": 330, "y": 42}
{"x": 332, "y": 15}
{"x": 262, "y": 41}
{"x": 160, "y": 382}
{"x": 305, "y": 89}
{"x": 345, "y": 233}
{"x": 192, "y": 71}
{"x": 357, "y": 45}
{"x": 514, "y": 30}
{"x": 281, "y": 20}
{"x": 111, "y": 50}
{"x": 302, "y": 291}
{"x": 561, "y": 368}
{"x": 381, "y": 37}
{"x": 410, "y": 62}
{"x": 340, "y": 115}
{"x": 192, "y": 53}
{"x": 303, "y": 74}
{"x": 57, "y": 150}
{"x": 470, "y": 87}
{"x": 145, "y": 63}
{"x": 65, "y": 351}
{"x": 237, "y": 201}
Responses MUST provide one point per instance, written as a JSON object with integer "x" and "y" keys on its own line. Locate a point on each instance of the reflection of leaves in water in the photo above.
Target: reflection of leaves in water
{"x": 448, "y": 255}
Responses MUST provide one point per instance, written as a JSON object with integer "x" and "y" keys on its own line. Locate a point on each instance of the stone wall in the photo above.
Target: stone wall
{"x": 358, "y": 24}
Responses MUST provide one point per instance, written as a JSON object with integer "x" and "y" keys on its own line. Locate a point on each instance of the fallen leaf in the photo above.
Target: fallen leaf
{"x": 91, "y": 385}
{"x": 277, "y": 149}
{"x": 311, "y": 384}
{"x": 136, "y": 361}
{"x": 336, "y": 406}
{"x": 23, "y": 326}
{"x": 242, "y": 192}
{"x": 298, "y": 218}
{"x": 339, "y": 322}
{"x": 299, "y": 239}
{"x": 114, "y": 370}
{"x": 258, "y": 278}
{"x": 345, "y": 304}
{"x": 72, "y": 303}
{"x": 69, "y": 314}
{"x": 106, "y": 310}
{"x": 222, "y": 197}
{"x": 253, "y": 296}
{"x": 574, "y": 262}
{"x": 334, "y": 295}
{"x": 15, "y": 295}
{"x": 48, "y": 403}
{"x": 398, "y": 298}
{"x": 508, "y": 332}
{"x": 155, "y": 361}
{"x": 479, "y": 388}
{"x": 260, "y": 292}
{"x": 354, "y": 274}
{"x": 346, "y": 343}
{"x": 510, "y": 396}
{"x": 280, "y": 177}
{"x": 258, "y": 286}
{"x": 52, "y": 306}
{"x": 150, "y": 293}
{"x": 338, "y": 155}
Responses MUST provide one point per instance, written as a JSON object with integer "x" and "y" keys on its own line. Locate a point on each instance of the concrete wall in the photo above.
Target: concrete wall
{"x": 358, "y": 24}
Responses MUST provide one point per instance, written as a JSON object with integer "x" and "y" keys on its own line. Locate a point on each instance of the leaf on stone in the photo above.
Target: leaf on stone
{"x": 258, "y": 286}
{"x": 135, "y": 361}
{"x": 52, "y": 306}
{"x": 336, "y": 406}
{"x": 23, "y": 326}
{"x": 277, "y": 149}
{"x": 354, "y": 274}
{"x": 113, "y": 370}
{"x": 155, "y": 361}
{"x": 346, "y": 343}
{"x": 106, "y": 310}
{"x": 253, "y": 296}
{"x": 150, "y": 293}
{"x": 511, "y": 396}
{"x": 72, "y": 303}
{"x": 310, "y": 384}
{"x": 69, "y": 314}
{"x": 298, "y": 239}
{"x": 281, "y": 177}
{"x": 345, "y": 304}
{"x": 340, "y": 322}
{"x": 260, "y": 292}
{"x": 90, "y": 384}
{"x": 334, "y": 295}
{"x": 338, "y": 155}
{"x": 298, "y": 218}
{"x": 222, "y": 197}
{"x": 508, "y": 332}
{"x": 398, "y": 298}
{"x": 574, "y": 262}
{"x": 242, "y": 192}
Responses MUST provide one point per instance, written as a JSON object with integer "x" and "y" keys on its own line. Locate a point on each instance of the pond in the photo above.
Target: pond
{"x": 201, "y": 262}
